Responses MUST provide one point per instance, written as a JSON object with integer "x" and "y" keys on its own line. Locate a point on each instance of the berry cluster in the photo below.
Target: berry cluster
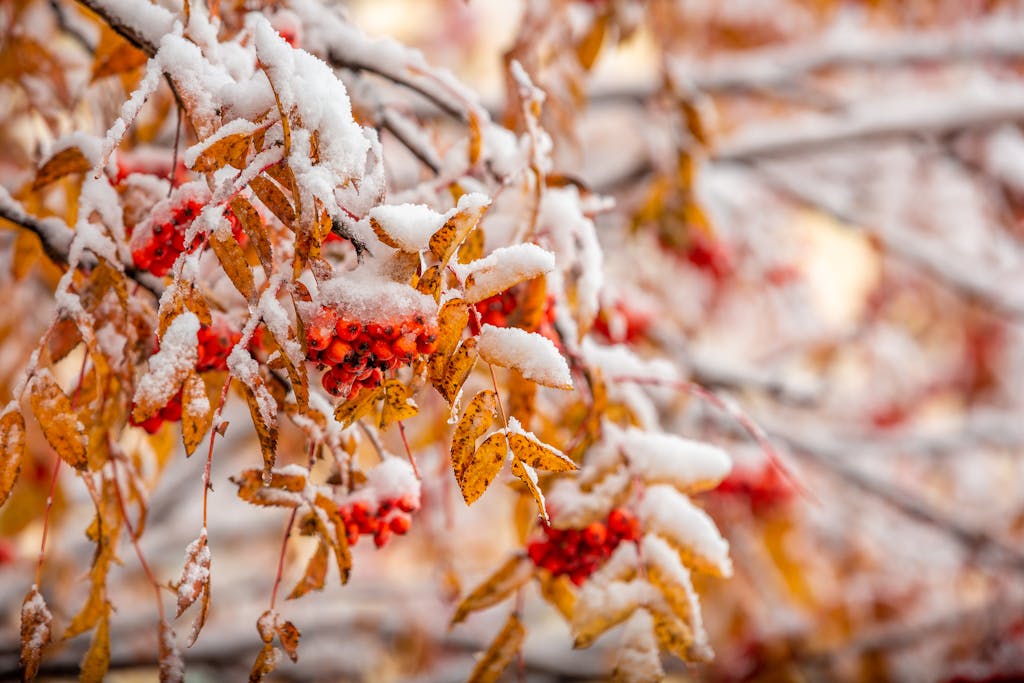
{"x": 215, "y": 343}
{"x": 498, "y": 310}
{"x": 166, "y": 239}
{"x": 578, "y": 553}
{"x": 763, "y": 487}
{"x": 621, "y": 323}
{"x": 359, "y": 354}
{"x": 391, "y": 517}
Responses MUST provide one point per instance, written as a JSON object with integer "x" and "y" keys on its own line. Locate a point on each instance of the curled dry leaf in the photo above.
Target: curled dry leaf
{"x": 497, "y": 657}
{"x": 501, "y": 584}
{"x": 282, "y": 490}
{"x": 36, "y": 622}
{"x": 12, "y": 451}
{"x": 57, "y": 418}
{"x": 67, "y": 161}
{"x": 316, "y": 572}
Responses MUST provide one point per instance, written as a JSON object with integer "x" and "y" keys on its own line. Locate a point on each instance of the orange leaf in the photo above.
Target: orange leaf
{"x": 555, "y": 590}
{"x": 483, "y": 467}
{"x": 196, "y": 413}
{"x": 475, "y": 138}
{"x": 528, "y": 476}
{"x": 274, "y": 199}
{"x": 538, "y": 454}
{"x": 430, "y": 282}
{"x": 474, "y": 423}
{"x": 588, "y": 49}
{"x": 498, "y": 586}
{"x": 451, "y": 321}
{"x": 398, "y": 403}
{"x": 61, "y": 427}
{"x": 12, "y": 450}
{"x": 230, "y": 149}
{"x": 253, "y": 489}
{"x": 255, "y": 230}
{"x": 97, "y": 659}
{"x": 36, "y": 621}
{"x": 289, "y": 637}
{"x": 235, "y": 265}
{"x": 266, "y": 662}
{"x": 124, "y": 57}
{"x": 67, "y": 161}
{"x": 500, "y": 653}
{"x": 458, "y": 369}
{"x": 447, "y": 239}
{"x": 315, "y": 574}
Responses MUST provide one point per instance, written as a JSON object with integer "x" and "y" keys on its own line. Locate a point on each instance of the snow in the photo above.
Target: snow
{"x": 408, "y": 225}
{"x": 503, "y": 268}
{"x": 392, "y": 479}
{"x": 569, "y": 506}
{"x": 666, "y": 511}
{"x": 684, "y": 463}
{"x": 169, "y": 366}
{"x": 34, "y": 611}
{"x": 366, "y": 295}
{"x": 601, "y": 600}
{"x": 238, "y": 126}
{"x": 533, "y": 355}
{"x": 619, "y": 361}
{"x": 637, "y": 658}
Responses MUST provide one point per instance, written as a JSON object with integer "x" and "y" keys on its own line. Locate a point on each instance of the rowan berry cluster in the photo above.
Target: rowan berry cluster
{"x": 358, "y": 354}
{"x": 390, "y": 517}
{"x": 498, "y": 310}
{"x": 763, "y": 487}
{"x": 165, "y": 240}
{"x": 215, "y": 342}
{"x": 578, "y": 553}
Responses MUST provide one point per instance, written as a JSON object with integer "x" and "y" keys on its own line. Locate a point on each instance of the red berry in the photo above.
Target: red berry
{"x": 405, "y": 347}
{"x": 382, "y": 349}
{"x": 336, "y": 352}
{"x": 407, "y": 504}
{"x": 537, "y": 551}
{"x": 347, "y": 330}
{"x": 595, "y": 534}
{"x": 579, "y": 576}
{"x": 382, "y": 536}
{"x": 153, "y": 424}
{"x": 400, "y": 524}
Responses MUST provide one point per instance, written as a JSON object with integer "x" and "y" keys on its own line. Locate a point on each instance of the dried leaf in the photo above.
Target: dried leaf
{"x": 195, "y": 579}
{"x": 230, "y": 149}
{"x": 274, "y": 199}
{"x": 555, "y": 590}
{"x": 475, "y": 138}
{"x": 447, "y": 239}
{"x": 472, "y": 247}
{"x": 540, "y": 455}
{"x": 280, "y": 491}
{"x": 475, "y": 422}
{"x": 196, "y": 413}
{"x": 457, "y": 371}
{"x": 501, "y": 584}
{"x": 338, "y": 542}
{"x": 588, "y": 49}
{"x": 588, "y": 625}
{"x": 497, "y": 657}
{"x": 398, "y": 403}
{"x": 183, "y": 297}
{"x": 673, "y": 635}
{"x": 36, "y": 622}
{"x": 483, "y": 467}
{"x": 235, "y": 265}
{"x": 266, "y": 662}
{"x": 172, "y": 668}
{"x": 430, "y": 282}
{"x": 289, "y": 635}
{"x": 97, "y": 658}
{"x": 61, "y": 427}
{"x": 348, "y": 412}
{"x": 266, "y": 426}
{"x": 452, "y": 319}
{"x": 67, "y": 161}
{"x": 115, "y": 56}
{"x": 315, "y": 575}
{"x": 255, "y": 230}
{"x": 528, "y": 476}
{"x": 12, "y": 451}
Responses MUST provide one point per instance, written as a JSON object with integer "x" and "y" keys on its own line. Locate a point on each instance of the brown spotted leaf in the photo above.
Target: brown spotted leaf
{"x": 501, "y": 584}
{"x": 263, "y": 410}
{"x": 447, "y": 239}
{"x": 348, "y": 412}
{"x": 67, "y": 161}
{"x": 230, "y": 149}
{"x": 266, "y": 662}
{"x": 36, "y": 622}
{"x": 255, "y": 230}
{"x": 283, "y": 489}
{"x": 457, "y": 371}
{"x": 289, "y": 635}
{"x": 500, "y": 653}
{"x": 673, "y": 635}
{"x": 398, "y": 403}
{"x": 430, "y": 282}
{"x": 196, "y": 412}
{"x": 540, "y": 455}
{"x": 528, "y": 476}
{"x": 12, "y": 451}
{"x": 316, "y": 572}
{"x": 483, "y": 467}
{"x": 97, "y": 658}
{"x": 61, "y": 427}
{"x": 473, "y": 424}
{"x": 274, "y": 199}
{"x": 452, "y": 319}
{"x": 236, "y": 267}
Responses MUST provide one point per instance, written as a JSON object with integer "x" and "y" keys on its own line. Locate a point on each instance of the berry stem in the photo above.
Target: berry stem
{"x": 135, "y": 542}
{"x": 209, "y": 453}
{"x": 280, "y": 559}
{"x": 408, "y": 451}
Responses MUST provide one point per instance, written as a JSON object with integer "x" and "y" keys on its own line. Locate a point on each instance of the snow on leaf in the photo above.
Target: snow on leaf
{"x": 196, "y": 413}
{"x": 572, "y": 507}
{"x": 556, "y": 591}
{"x": 534, "y": 452}
{"x": 498, "y": 586}
{"x": 315, "y": 574}
{"x": 398, "y": 403}
{"x": 289, "y": 635}
{"x": 36, "y": 622}
{"x": 97, "y": 658}
{"x": 667, "y": 573}
{"x": 229, "y": 145}
{"x": 468, "y": 212}
{"x": 172, "y": 666}
{"x": 57, "y": 418}
{"x": 68, "y": 160}
{"x": 266, "y": 662}
{"x": 500, "y": 652}
{"x": 169, "y": 367}
{"x": 691, "y": 466}
{"x": 483, "y": 467}
{"x": 473, "y": 424}
{"x": 602, "y": 605}
{"x": 528, "y": 476}
{"x": 283, "y": 489}
{"x": 255, "y": 230}
{"x": 536, "y": 357}
{"x": 637, "y": 659}
{"x": 457, "y": 370}
{"x": 504, "y": 268}
{"x": 407, "y": 227}
{"x": 688, "y": 528}
{"x": 12, "y": 451}
{"x": 451, "y": 321}
{"x": 195, "y": 582}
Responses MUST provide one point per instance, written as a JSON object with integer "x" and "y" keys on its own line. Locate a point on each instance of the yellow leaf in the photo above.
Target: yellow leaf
{"x": 97, "y": 659}
{"x": 459, "y": 366}
{"x": 12, "y": 450}
{"x": 252, "y": 488}
{"x": 274, "y": 199}
{"x": 589, "y": 624}
{"x": 501, "y": 584}
{"x": 673, "y": 635}
{"x": 451, "y": 321}
{"x": 236, "y": 267}
{"x": 447, "y": 239}
{"x": 196, "y": 413}
{"x": 474, "y": 423}
{"x": 555, "y": 590}
{"x": 430, "y": 282}
{"x": 522, "y": 395}
{"x": 67, "y": 161}
{"x": 540, "y": 455}
{"x": 230, "y": 149}
{"x": 398, "y": 403}
{"x": 27, "y": 250}
{"x": 475, "y": 138}
{"x": 497, "y": 657}
{"x": 473, "y": 246}
{"x": 588, "y": 49}
{"x": 383, "y": 235}
{"x": 528, "y": 476}
{"x": 483, "y": 467}
{"x": 255, "y": 230}
{"x": 315, "y": 574}
{"x": 57, "y": 418}
{"x": 348, "y": 412}
{"x": 184, "y": 297}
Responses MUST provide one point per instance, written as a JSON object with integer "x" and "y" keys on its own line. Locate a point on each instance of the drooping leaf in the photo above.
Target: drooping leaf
{"x": 36, "y": 622}
{"x": 12, "y": 451}
{"x": 263, "y": 409}
{"x": 447, "y": 239}
{"x": 338, "y": 541}
{"x": 501, "y": 651}
{"x": 236, "y": 267}
{"x": 68, "y": 160}
{"x": 97, "y": 658}
{"x": 528, "y": 476}
{"x": 266, "y": 662}
{"x": 588, "y": 49}
{"x": 473, "y": 424}
{"x": 348, "y": 412}
{"x": 172, "y": 667}
{"x": 255, "y": 230}
{"x": 483, "y": 467}
{"x": 316, "y": 572}
{"x": 451, "y": 321}
{"x": 196, "y": 412}
{"x": 194, "y": 583}
{"x": 274, "y": 199}
{"x": 457, "y": 371}
{"x": 398, "y": 403}
{"x": 475, "y": 138}
{"x": 282, "y": 490}
{"x": 289, "y": 636}
{"x": 430, "y": 282}
{"x": 555, "y": 590}
{"x": 498, "y": 586}
{"x": 57, "y": 418}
